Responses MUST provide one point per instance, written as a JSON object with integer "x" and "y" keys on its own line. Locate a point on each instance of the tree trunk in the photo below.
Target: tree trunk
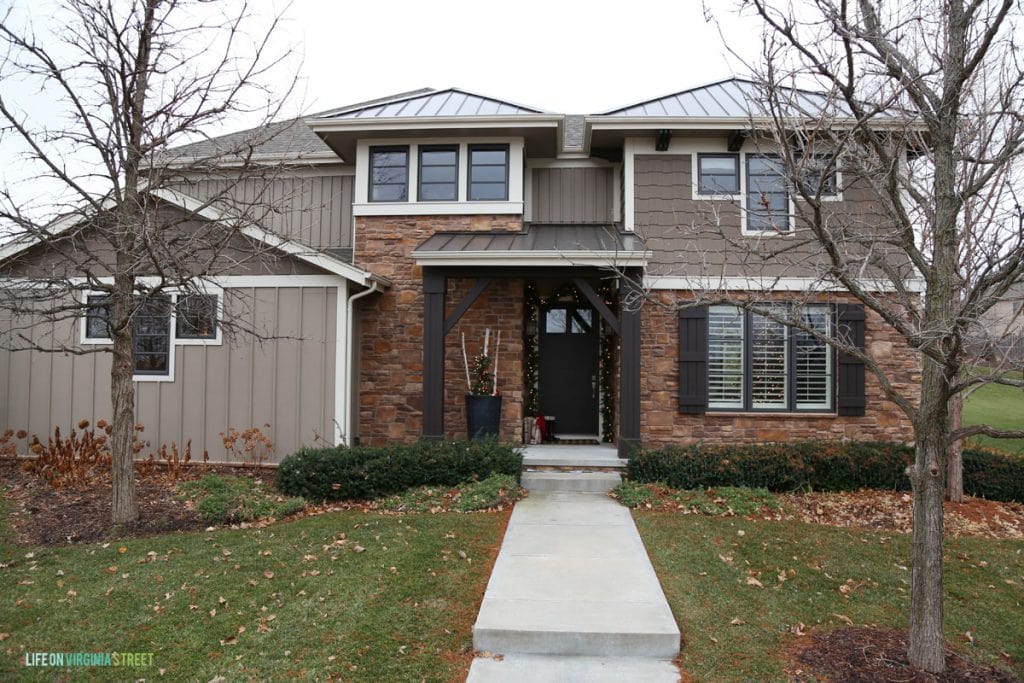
{"x": 927, "y": 642}
{"x": 955, "y": 465}
{"x": 122, "y": 394}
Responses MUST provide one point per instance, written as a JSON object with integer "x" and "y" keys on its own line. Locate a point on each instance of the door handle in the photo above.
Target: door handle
{"x": 593, "y": 386}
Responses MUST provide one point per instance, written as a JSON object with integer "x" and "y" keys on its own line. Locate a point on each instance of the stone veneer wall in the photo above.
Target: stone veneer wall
{"x": 661, "y": 422}
{"x": 391, "y": 378}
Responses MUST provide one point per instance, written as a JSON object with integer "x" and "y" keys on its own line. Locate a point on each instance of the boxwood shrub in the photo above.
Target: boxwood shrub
{"x": 818, "y": 466}
{"x": 365, "y": 472}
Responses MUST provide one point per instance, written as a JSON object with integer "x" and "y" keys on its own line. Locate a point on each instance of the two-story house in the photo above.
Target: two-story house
{"x": 412, "y": 221}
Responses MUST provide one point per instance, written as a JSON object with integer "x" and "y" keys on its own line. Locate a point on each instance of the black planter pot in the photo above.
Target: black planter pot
{"x": 483, "y": 416}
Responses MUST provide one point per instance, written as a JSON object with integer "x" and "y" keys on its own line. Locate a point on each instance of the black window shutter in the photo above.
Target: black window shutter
{"x": 693, "y": 360}
{"x": 850, "y": 371}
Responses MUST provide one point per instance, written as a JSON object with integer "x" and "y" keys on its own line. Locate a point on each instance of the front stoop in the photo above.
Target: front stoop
{"x": 573, "y": 587}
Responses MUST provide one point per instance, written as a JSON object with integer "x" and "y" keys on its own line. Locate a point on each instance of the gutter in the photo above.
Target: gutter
{"x": 346, "y": 421}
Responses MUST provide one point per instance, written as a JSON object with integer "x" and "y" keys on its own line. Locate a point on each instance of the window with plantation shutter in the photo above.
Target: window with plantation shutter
{"x": 755, "y": 363}
{"x": 768, "y": 363}
{"x": 725, "y": 357}
{"x": 812, "y": 360}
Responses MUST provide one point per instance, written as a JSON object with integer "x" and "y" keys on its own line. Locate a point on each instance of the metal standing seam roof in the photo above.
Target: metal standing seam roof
{"x": 450, "y": 102}
{"x": 601, "y": 240}
{"x": 732, "y": 98}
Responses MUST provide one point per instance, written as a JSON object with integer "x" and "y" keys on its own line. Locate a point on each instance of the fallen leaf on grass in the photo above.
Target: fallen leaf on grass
{"x": 268, "y": 574}
{"x": 797, "y": 629}
{"x": 737, "y": 622}
{"x": 842, "y": 617}
{"x": 751, "y": 581}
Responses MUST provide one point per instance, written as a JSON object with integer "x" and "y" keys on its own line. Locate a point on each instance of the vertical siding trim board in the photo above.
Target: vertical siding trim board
{"x": 693, "y": 360}
{"x": 342, "y": 308}
{"x": 850, "y": 397}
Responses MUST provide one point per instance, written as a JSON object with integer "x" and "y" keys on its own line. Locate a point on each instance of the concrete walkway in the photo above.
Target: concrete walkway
{"x": 573, "y": 597}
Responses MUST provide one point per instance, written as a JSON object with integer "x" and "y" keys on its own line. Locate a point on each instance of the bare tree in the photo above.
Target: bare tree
{"x": 129, "y": 80}
{"x": 921, "y": 108}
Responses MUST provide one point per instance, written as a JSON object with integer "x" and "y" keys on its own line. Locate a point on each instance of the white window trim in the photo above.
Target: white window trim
{"x": 217, "y": 340}
{"x": 362, "y": 206}
{"x": 173, "y": 340}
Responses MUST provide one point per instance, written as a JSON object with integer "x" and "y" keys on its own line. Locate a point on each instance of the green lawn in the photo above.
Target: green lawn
{"x": 349, "y": 595}
{"x": 708, "y": 571}
{"x": 999, "y": 406}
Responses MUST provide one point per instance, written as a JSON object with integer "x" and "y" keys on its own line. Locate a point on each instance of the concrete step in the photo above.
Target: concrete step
{"x": 579, "y": 481}
{"x": 550, "y": 669}
{"x": 576, "y": 627}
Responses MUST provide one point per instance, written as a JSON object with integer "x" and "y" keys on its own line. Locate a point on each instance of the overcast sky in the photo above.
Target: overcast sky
{"x": 572, "y": 57}
{"x": 568, "y": 57}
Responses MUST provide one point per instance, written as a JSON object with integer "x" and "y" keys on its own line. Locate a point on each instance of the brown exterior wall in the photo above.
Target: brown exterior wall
{"x": 90, "y": 252}
{"x": 316, "y": 210}
{"x": 572, "y": 195}
{"x": 662, "y": 424}
{"x": 287, "y": 382}
{"x": 696, "y": 236}
{"x": 391, "y": 376}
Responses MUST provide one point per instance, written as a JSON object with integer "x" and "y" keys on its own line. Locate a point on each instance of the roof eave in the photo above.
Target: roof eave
{"x": 526, "y": 257}
{"x": 436, "y": 122}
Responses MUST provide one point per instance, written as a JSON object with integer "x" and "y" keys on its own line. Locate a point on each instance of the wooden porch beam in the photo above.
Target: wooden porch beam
{"x": 596, "y": 302}
{"x": 629, "y": 364}
{"x": 478, "y": 288}
{"x": 434, "y": 286}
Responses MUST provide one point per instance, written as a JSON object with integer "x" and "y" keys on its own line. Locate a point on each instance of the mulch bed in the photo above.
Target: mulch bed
{"x": 43, "y": 515}
{"x": 867, "y": 655}
{"x": 893, "y": 511}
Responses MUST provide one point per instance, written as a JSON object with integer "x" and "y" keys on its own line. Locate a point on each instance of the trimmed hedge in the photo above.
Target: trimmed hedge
{"x": 367, "y": 472}
{"x": 818, "y": 466}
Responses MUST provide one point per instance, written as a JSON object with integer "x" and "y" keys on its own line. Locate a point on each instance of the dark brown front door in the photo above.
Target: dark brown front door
{"x": 568, "y": 367}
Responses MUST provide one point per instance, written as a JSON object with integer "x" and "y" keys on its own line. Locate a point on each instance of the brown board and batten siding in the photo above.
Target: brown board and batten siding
{"x": 286, "y": 379}
{"x": 572, "y": 195}
{"x": 316, "y": 210}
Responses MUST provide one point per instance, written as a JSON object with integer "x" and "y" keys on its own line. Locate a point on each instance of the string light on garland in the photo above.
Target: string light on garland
{"x": 607, "y": 353}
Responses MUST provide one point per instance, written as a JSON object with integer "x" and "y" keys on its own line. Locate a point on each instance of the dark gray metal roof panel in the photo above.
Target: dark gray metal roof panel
{"x": 731, "y": 98}
{"x": 289, "y": 139}
{"x": 450, "y": 102}
{"x": 599, "y": 239}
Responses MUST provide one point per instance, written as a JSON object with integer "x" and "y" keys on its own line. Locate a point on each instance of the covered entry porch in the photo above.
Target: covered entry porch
{"x": 577, "y": 256}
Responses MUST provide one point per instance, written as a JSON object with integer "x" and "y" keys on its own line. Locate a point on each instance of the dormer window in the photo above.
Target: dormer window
{"x": 488, "y": 172}
{"x": 389, "y": 174}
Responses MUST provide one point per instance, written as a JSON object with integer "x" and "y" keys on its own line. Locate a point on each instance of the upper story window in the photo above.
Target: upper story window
{"x": 767, "y": 197}
{"x": 439, "y": 176}
{"x": 488, "y": 172}
{"x": 718, "y": 174}
{"x": 389, "y": 174}
{"x": 439, "y": 173}
{"x": 820, "y": 170}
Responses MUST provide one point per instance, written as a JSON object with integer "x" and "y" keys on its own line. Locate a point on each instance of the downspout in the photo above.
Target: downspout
{"x": 346, "y": 436}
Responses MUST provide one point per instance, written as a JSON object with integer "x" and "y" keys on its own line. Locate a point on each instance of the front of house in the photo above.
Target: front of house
{"x": 589, "y": 244}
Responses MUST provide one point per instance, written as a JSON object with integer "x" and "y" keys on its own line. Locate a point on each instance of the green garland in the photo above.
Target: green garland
{"x": 607, "y": 351}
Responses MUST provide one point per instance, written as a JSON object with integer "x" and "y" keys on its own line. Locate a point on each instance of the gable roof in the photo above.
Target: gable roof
{"x": 315, "y": 257}
{"x": 429, "y": 102}
{"x": 291, "y": 139}
{"x": 729, "y": 98}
